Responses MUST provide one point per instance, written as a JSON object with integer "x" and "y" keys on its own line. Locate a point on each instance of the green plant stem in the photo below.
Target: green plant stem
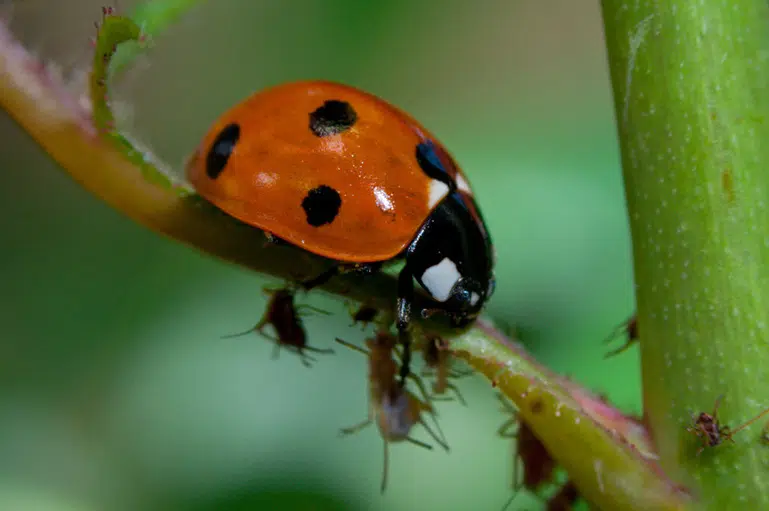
{"x": 690, "y": 90}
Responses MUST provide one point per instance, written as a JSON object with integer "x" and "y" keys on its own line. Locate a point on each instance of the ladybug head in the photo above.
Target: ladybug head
{"x": 460, "y": 297}
{"x": 451, "y": 258}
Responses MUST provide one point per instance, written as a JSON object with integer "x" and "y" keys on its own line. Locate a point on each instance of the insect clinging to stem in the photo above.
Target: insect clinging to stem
{"x": 285, "y": 317}
{"x": 707, "y": 427}
{"x": 394, "y": 408}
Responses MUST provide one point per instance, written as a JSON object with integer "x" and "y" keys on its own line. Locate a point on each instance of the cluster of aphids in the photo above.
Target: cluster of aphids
{"x": 705, "y": 425}
{"x": 394, "y": 408}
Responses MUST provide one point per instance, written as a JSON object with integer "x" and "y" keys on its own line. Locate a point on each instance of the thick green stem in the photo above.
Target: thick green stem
{"x": 690, "y": 88}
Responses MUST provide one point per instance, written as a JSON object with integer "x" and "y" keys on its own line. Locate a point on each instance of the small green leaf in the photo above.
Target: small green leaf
{"x": 113, "y": 31}
{"x": 153, "y": 17}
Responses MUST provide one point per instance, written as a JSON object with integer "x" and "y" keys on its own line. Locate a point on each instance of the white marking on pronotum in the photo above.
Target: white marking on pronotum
{"x": 439, "y": 279}
{"x": 463, "y": 185}
{"x": 438, "y": 190}
{"x": 383, "y": 200}
{"x": 474, "y": 297}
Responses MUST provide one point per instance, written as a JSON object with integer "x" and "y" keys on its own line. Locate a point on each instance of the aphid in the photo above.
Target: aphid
{"x": 438, "y": 361}
{"x": 630, "y": 328}
{"x": 391, "y": 405}
{"x": 564, "y": 499}
{"x": 365, "y": 314}
{"x": 284, "y": 316}
{"x": 712, "y": 432}
{"x": 539, "y": 467}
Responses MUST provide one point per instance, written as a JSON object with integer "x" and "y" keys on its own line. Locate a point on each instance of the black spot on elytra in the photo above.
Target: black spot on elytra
{"x": 321, "y": 205}
{"x": 221, "y": 149}
{"x": 431, "y": 164}
{"x": 333, "y": 118}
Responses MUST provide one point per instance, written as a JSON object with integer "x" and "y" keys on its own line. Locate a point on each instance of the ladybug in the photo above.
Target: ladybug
{"x": 347, "y": 176}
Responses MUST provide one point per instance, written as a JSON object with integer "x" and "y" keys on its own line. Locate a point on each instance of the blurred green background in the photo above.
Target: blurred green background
{"x": 117, "y": 391}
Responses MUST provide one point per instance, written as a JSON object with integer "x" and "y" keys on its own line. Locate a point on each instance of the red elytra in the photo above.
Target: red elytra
{"x": 365, "y": 153}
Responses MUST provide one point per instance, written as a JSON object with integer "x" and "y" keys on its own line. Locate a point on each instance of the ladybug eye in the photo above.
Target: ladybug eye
{"x": 333, "y": 118}
{"x": 221, "y": 150}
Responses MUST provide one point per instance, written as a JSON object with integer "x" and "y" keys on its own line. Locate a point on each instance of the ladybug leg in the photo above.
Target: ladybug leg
{"x": 403, "y": 311}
